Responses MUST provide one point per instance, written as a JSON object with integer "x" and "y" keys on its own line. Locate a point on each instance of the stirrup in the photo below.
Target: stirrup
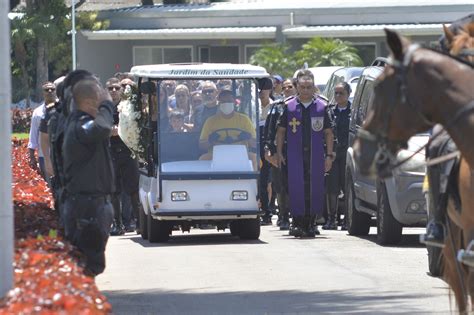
{"x": 430, "y": 243}
{"x": 467, "y": 256}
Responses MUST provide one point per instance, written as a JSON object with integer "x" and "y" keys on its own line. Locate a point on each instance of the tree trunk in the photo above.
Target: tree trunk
{"x": 21, "y": 57}
{"x": 24, "y": 81}
{"x": 42, "y": 74}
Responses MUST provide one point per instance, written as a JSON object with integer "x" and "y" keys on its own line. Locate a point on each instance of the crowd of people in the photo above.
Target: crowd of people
{"x": 94, "y": 175}
{"x": 304, "y": 142}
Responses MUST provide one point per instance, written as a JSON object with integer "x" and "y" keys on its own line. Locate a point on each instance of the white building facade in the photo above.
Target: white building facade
{"x": 232, "y": 31}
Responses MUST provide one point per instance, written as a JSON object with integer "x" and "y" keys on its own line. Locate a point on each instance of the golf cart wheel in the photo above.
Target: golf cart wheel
{"x": 158, "y": 231}
{"x": 142, "y": 218}
{"x": 234, "y": 228}
{"x": 249, "y": 229}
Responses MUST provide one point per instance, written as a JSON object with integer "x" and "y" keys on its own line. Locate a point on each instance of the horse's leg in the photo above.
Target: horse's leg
{"x": 466, "y": 191}
{"x": 453, "y": 273}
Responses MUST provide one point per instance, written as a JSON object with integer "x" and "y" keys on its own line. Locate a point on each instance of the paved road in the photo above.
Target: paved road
{"x": 207, "y": 272}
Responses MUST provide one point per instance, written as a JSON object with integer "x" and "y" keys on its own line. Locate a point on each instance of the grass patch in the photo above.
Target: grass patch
{"x": 21, "y": 135}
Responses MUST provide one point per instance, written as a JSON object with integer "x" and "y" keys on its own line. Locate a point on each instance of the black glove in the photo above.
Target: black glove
{"x": 213, "y": 137}
{"x": 244, "y": 136}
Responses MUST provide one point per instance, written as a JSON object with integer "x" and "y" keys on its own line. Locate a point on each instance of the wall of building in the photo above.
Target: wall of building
{"x": 103, "y": 58}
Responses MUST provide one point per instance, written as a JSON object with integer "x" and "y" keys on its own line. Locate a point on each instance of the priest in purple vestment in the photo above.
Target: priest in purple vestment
{"x": 307, "y": 128}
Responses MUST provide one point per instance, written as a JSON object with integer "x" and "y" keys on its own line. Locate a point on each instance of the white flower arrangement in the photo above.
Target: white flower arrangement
{"x": 129, "y": 128}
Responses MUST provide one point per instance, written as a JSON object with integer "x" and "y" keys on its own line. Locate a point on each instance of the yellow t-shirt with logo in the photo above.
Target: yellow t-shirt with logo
{"x": 238, "y": 121}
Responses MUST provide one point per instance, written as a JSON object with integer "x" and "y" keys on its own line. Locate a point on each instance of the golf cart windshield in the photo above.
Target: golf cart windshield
{"x": 207, "y": 126}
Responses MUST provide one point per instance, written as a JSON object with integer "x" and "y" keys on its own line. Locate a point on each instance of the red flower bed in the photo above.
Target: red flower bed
{"x": 31, "y": 197}
{"x": 47, "y": 276}
{"x": 21, "y": 119}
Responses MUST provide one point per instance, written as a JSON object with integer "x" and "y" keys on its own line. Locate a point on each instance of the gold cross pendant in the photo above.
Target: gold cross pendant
{"x": 294, "y": 123}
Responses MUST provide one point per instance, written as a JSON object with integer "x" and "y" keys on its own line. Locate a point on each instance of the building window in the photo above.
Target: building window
{"x": 226, "y": 54}
{"x": 250, "y": 50}
{"x": 366, "y": 51}
{"x": 158, "y": 55}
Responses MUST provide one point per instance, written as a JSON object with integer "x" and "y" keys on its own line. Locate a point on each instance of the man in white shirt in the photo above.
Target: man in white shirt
{"x": 49, "y": 95}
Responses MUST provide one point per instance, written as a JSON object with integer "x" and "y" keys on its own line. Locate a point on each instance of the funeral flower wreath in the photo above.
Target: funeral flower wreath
{"x": 130, "y": 122}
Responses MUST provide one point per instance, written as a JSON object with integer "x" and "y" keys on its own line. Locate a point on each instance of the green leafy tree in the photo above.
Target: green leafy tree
{"x": 47, "y": 19}
{"x": 40, "y": 27}
{"x": 61, "y": 54}
{"x": 22, "y": 40}
{"x": 327, "y": 52}
{"x": 276, "y": 58}
{"x": 41, "y": 41}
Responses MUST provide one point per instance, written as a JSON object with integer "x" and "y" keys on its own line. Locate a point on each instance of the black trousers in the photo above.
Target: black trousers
{"x": 87, "y": 221}
{"x": 335, "y": 183}
{"x": 280, "y": 184}
{"x": 263, "y": 184}
{"x": 126, "y": 180}
{"x": 337, "y": 174}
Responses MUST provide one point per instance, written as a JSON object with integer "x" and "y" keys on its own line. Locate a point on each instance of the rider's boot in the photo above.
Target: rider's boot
{"x": 466, "y": 256}
{"x": 434, "y": 234}
{"x": 435, "y": 201}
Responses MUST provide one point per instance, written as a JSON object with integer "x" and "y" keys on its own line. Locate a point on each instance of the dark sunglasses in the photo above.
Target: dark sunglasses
{"x": 209, "y": 91}
{"x": 338, "y": 93}
{"x": 113, "y": 88}
{"x": 49, "y": 90}
{"x": 287, "y": 87}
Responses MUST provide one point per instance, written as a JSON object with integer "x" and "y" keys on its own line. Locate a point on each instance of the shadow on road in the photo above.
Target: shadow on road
{"x": 408, "y": 241}
{"x": 272, "y": 302}
{"x": 195, "y": 239}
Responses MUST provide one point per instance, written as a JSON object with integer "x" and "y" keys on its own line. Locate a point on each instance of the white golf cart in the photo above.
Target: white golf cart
{"x": 178, "y": 187}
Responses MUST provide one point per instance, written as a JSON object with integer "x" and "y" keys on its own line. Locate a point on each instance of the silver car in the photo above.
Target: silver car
{"x": 395, "y": 202}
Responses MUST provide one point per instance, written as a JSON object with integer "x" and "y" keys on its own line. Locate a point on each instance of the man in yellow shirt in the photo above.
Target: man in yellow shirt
{"x": 226, "y": 126}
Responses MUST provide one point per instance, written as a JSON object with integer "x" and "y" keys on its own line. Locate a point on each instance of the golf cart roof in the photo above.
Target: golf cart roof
{"x": 200, "y": 71}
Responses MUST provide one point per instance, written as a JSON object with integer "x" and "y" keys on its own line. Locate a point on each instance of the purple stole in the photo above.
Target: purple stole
{"x": 296, "y": 174}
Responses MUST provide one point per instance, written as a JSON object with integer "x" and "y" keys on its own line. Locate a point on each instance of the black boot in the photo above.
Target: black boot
{"x": 266, "y": 219}
{"x": 332, "y": 203}
{"x": 296, "y": 228}
{"x": 117, "y": 230}
{"x": 330, "y": 225}
{"x": 284, "y": 224}
{"x": 434, "y": 234}
{"x": 343, "y": 225}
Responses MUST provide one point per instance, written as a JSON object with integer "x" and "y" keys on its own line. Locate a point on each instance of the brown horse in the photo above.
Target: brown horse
{"x": 419, "y": 88}
{"x": 461, "y": 42}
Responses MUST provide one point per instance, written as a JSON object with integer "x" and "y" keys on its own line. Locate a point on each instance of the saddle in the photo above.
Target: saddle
{"x": 448, "y": 172}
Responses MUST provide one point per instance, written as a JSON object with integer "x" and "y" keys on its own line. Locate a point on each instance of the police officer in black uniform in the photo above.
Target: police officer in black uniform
{"x": 53, "y": 124}
{"x": 125, "y": 167}
{"x": 89, "y": 176}
{"x": 341, "y": 112}
{"x": 278, "y": 175}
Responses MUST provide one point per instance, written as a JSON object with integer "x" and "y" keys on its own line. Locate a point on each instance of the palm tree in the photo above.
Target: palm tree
{"x": 49, "y": 27}
{"x": 327, "y": 52}
{"x": 275, "y": 58}
{"x": 21, "y": 36}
